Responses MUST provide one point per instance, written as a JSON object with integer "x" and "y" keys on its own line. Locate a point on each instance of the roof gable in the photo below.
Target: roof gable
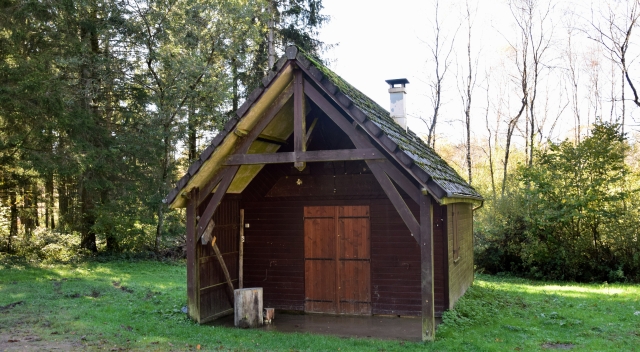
{"x": 418, "y": 159}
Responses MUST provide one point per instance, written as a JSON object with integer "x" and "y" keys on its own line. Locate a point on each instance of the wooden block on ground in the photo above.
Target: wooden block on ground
{"x": 248, "y": 307}
{"x": 269, "y": 314}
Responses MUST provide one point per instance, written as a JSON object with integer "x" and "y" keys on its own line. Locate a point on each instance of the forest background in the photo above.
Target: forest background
{"x": 104, "y": 104}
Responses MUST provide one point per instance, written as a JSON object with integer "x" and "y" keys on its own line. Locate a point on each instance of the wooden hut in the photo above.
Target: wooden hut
{"x": 314, "y": 193}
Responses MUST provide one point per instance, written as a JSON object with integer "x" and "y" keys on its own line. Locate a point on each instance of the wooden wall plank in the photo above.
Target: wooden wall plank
{"x": 460, "y": 270}
{"x": 206, "y": 215}
{"x": 193, "y": 272}
{"x": 354, "y": 258}
{"x": 426, "y": 253}
{"x": 299, "y": 120}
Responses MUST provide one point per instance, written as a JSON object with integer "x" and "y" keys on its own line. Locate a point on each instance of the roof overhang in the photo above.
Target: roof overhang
{"x": 278, "y": 129}
{"x": 203, "y": 172}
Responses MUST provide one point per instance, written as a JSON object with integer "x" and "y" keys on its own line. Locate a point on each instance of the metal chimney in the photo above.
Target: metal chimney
{"x": 398, "y": 103}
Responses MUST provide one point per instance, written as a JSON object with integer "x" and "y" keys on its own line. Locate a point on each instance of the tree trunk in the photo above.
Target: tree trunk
{"x": 49, "y": 213}
{"x": 13, "y": 227}
{"x": 192, "y": 137}
{"x": 88, "y": 237}
{"x": 28, "y": 218}
{"x": 164, "y": 179}
{"x": 236, "y": 80}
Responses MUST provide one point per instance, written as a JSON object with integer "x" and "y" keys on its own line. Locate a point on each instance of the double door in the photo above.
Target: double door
{"x": 337, "y": 259}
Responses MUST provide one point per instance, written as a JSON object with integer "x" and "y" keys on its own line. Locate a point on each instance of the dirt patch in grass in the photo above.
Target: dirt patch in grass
{"x": 10, "y": 305}
{"x": 117, "y": 285}
{"x": 558, "y": 346}
{"x": 18, "y": 340}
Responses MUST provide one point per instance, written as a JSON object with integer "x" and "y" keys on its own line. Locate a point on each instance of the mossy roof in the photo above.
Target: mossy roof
{"x": 407, "y": 141}
{"x": 423, "y": 155}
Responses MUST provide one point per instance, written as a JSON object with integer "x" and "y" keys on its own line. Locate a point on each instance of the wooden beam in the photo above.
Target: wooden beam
{"x": 310, "y": 131}
{"x": 210, "y": 186}
{"x": 361, "y": 141}
{"x": 395, "y": 198}
{"x": 426, "y": 269}
{"x": 241, "y": 252}
{"x": 250, "y": 136}
{"x": 335, "y": 116}
{"x": 263, "y": 137}
{"x": 299, "y": 120}
{"x": 328, "y": 108}
{"x": 229, "y": 174}
{"x": 268, "y": 116}
{"x": 208, "y": 231}
{"x": 224, "y": 269}
{"x": 273, "y": 140}
{"x": 193, "y": 265}
{"x": 312, "y": 156}
{"x": 398, "y": 177}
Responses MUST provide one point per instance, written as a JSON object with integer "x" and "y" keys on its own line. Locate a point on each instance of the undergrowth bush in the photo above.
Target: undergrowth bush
{"x": 45, "y": 245}
{"x": 574, "y": 215}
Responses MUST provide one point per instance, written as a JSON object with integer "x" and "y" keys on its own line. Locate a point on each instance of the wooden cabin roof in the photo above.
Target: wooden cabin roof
{"x": 405, "y": 147}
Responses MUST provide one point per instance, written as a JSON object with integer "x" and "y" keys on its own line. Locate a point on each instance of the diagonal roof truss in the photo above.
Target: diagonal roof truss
{"x": 251, "y": 139}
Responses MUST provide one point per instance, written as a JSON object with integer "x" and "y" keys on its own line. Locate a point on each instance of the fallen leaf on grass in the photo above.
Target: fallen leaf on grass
{"x": 198, "y": 347}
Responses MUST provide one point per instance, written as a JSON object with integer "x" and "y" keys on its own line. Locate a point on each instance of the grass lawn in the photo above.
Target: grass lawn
{"x": 136, "y": 306}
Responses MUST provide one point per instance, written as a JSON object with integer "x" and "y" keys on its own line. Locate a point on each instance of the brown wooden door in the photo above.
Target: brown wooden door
{"x": 337, "y": 259}
{"x": 320, "y": 259}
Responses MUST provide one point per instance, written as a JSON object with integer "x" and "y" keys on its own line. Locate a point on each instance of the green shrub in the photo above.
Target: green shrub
{"x": 573, "y": 215}
{"x": 45, "y": 245}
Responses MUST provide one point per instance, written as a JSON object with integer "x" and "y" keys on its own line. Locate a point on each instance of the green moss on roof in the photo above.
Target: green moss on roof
{"x": 423, "y": 155}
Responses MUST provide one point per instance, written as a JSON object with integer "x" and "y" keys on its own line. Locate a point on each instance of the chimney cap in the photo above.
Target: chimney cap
{"x": 393, "y": 82}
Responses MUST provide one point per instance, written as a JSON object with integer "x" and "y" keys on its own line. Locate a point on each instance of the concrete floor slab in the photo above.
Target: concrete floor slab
{"x": 377, "y": 327}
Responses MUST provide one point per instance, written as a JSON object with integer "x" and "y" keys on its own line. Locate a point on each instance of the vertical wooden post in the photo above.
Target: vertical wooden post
{"x": 241, "y": 252}
{"x": 426, "y": 255}
{"x": 193, "y": 267}
{"x": 299, "y": 121}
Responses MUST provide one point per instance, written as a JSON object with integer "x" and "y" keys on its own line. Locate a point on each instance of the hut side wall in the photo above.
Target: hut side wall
{"x": 440, "y": 258}
{"x": 460, "y": 223}
{"x": 212, "y": 285}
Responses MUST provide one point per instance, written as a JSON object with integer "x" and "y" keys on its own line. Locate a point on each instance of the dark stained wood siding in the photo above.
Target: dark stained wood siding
{"x": 395, "y": 262}
{"x": 214, "y": 299}
{"x": 460, "y": 271}
{"x": 274, "y": 252}
{"x": 274, "y": 245}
